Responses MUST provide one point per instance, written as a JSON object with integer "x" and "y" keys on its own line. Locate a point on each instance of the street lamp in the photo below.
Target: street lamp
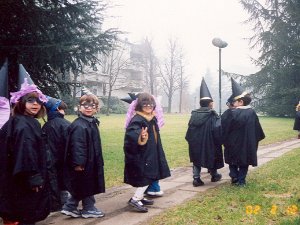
{"x": 220, "y": 44}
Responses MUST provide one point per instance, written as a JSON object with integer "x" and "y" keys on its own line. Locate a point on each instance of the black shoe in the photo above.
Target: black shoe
{"x": 234, "y": 180}
{"x": 198, "y": 182}
{"x": 147, "y": 201}
{"x": 138, "y": 205}
{"x": 216, "y": 177}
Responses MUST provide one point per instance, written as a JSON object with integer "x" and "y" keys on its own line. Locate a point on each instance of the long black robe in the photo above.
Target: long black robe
{"x": 22, "y": 165}
{"x": 84, "y": 149}
{"x": 144, "y": 163}
{"x": 297, "y": 121}
{"x": 204, "y": 147}
{"x": 243, "y": 132}
{"x": 56, "y": 130}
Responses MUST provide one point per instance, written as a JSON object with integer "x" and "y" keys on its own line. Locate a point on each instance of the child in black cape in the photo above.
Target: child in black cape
{"x": 24, "y": 186}
{"x": 145, "y": 159}
{"x": 84, "y": 172}
{"x": 242, "y": 134}
{"x": 56, "y": 130}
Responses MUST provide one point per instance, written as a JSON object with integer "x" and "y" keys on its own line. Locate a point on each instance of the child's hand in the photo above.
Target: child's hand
{"x": 144, "y": 133}
{"x": 79, "y": 168}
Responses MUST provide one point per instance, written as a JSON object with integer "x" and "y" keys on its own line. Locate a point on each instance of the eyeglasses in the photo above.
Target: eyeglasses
{"x": 33, "y": 100}
{"x": 89, "y": 105}
{"x": 148, "y": 105}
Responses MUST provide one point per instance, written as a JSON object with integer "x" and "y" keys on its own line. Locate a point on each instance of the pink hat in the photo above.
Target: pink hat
{"x": 26, "y": 89}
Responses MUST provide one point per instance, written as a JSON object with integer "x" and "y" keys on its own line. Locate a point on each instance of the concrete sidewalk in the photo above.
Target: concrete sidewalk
{"x": 178, "y": 188}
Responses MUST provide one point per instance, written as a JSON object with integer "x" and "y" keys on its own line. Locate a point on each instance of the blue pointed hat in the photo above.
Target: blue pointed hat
{"x": 52, "y": 104}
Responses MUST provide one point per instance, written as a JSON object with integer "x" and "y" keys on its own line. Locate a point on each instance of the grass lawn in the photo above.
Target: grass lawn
{"x": 172, "y": 135}
{"x": 272, "y": 196}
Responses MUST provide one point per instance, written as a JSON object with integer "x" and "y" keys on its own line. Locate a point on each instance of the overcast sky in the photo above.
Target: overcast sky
{"x": 194, "y": 23}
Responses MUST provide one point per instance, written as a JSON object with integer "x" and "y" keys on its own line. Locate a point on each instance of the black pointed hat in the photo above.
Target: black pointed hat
{"x": 22, "y": 75}
{"x": 237, "y": 90}
{"x": 131, "y": 98}
{"x": 230, "y": 100}
{"x": 4, "y": 80}
{"x": 204, "y": 92}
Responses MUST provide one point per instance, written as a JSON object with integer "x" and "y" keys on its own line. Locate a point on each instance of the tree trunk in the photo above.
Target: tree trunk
{"x": 108, "y": 102}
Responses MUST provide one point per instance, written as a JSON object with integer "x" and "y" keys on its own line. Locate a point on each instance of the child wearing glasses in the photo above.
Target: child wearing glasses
{"x": 145, "y": 160}
{"x": 24, "y": 189}
{"x": 84, "y": 173}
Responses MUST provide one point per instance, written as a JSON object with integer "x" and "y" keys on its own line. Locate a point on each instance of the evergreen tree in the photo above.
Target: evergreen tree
{"x": 52, "y": 38}
{"x": 277, "y": 32}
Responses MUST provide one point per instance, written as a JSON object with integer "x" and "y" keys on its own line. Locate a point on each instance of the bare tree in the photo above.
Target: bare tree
{"x": 150, "y": 65}
{"x": 170, "y": 72}
{"x": 112, "y": 64}
{"x": 183, "y": 80}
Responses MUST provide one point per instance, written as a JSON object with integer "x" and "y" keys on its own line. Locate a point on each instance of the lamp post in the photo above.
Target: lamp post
{"x": 220, "y": 44}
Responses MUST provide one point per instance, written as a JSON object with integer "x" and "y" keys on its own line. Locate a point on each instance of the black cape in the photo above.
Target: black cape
{"x": 205, "y": 149}
{"x": 242, "y": 134}
{"x": 56, "y": 131}
{"x": 297, "y": 121}
{"x": 144, "y": 163}
{"x": 84, "y": 149}
{"x": 23, "y": 166}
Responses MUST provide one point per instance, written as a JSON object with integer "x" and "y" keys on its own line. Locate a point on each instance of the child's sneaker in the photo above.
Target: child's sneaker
{"x": 92, "y": 214}
{"x": 138, "y": 205}
{"x": 155, "y": 193}
{"x": 73, "y": 213}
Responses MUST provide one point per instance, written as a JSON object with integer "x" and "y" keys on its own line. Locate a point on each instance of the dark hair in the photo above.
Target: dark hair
{"x": 62, "y": 105}
{"x": 20, "y": 107}
{"x": 246, "y": 99}
{"x": 205, "y": 102}
{"x": 144, "y": 98}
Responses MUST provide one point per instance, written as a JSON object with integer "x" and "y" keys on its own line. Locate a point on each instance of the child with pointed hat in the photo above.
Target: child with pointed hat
{"x": 243, "y": 132}
{"x": 204, "y": 148}
{"x": 56, "y": 129}
{"x": 142, "y": 143}
{"x": 24, "y": 184}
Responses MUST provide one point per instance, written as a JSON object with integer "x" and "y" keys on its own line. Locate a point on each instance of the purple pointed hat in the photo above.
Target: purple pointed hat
{"x": 26, "y": 86}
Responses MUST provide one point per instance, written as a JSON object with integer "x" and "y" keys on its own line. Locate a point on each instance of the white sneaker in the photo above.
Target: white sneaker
{"x": 155, "y": 193}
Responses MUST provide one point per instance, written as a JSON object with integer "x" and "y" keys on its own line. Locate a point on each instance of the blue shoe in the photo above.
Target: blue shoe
{"x": 73, "y": 213}
{"x": 92, "y": 213}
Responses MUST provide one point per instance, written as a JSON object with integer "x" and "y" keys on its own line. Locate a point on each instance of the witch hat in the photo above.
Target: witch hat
{"x": 25, "y": 86}
{"x": 230, "y": 100}
{"x": 204, "y": 92}
{"x": 22, "y": 75}
{"x": 131, "y": 98}
{"x": 85, "y": 91}
{"x": 237, "y": 90}
{"x": 52, "y": 104}
{"x": 4, "y": 80}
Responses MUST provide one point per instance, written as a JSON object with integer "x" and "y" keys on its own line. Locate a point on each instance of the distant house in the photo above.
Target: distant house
{"x": 130, "y": 78}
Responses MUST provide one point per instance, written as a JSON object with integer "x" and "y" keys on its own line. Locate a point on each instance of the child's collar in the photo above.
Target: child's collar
{"x": 244, "y": 107}
{"x": 147, "y": 117}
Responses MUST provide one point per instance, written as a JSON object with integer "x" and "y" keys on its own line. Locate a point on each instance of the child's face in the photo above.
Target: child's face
{"x": 148, "y": 108}
{"x": 88, "y": 108}
{"x": 32, "y": 106}
{"x": 238, "y": 103}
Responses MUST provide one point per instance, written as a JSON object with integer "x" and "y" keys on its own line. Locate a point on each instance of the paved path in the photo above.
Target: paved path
{"x": 178, "y": 188}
